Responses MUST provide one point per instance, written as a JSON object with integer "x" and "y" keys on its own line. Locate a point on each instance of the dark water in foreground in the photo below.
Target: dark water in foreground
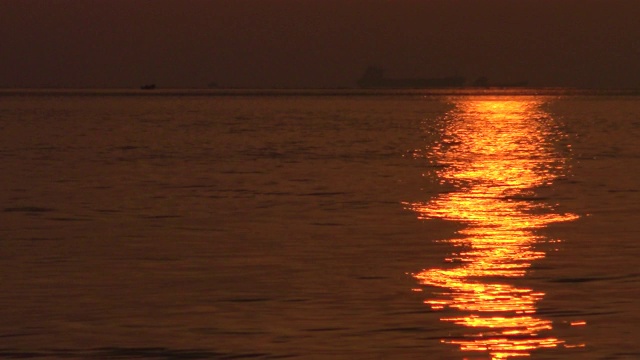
{"x": 320, "y": 226}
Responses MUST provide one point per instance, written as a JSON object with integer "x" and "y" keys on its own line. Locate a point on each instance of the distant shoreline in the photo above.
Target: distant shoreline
{"x": 464, "y": 91}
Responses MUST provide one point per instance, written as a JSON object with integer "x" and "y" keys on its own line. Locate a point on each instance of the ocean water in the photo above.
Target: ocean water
{"x": 319, "y": 224}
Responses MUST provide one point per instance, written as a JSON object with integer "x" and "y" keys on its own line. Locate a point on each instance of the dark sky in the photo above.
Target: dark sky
{"x": 316, "y": 43}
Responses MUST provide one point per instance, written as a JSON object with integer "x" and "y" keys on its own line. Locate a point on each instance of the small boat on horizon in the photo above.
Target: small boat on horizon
{"x": 148, "y": 87}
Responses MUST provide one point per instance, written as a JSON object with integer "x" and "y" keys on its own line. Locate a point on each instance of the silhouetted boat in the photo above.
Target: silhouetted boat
{"x": 485, "y": 83}
{"x": 374, "y": 78}
{"x": 148, "y": 87}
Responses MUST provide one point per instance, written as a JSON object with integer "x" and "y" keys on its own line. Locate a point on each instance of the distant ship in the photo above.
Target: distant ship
{"x": 485, "y": 83}
{"x": 148, "y": 87}
{"x": 374, "y": 78}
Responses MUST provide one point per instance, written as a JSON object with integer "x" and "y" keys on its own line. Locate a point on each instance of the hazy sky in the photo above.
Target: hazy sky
{"x": 316, "y": 43}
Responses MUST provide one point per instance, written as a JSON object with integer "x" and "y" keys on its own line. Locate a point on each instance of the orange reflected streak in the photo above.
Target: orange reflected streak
{"x": 496, "y": 153}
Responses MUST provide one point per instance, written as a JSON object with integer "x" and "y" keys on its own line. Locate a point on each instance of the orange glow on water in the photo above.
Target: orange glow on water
{"x": 495, "y": 153}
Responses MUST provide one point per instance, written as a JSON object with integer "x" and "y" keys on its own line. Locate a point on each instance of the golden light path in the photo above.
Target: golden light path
{"x": 496, "y": 153}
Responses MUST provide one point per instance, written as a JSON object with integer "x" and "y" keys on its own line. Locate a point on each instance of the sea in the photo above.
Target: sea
{"x": 320, "y": 224}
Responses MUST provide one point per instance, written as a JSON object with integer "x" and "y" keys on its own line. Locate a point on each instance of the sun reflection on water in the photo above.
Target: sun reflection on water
{"x": 495, "y": 153}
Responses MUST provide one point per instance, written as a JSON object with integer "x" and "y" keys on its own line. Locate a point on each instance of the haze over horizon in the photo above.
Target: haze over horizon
{"x": 307, "y": 43}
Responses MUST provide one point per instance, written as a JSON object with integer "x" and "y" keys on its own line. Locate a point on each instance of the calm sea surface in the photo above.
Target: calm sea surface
{"x": 319, "y": 225}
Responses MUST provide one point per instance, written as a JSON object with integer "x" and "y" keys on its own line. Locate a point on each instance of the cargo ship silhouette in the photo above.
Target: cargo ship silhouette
{"x": 373, "y": 78}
